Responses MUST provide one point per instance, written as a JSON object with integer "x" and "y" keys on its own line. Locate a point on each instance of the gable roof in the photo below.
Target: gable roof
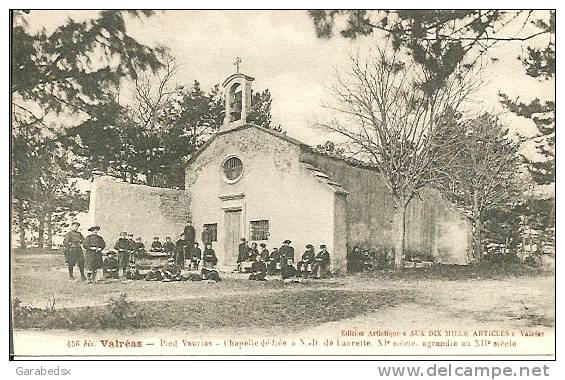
{"x": 291, "y": 140}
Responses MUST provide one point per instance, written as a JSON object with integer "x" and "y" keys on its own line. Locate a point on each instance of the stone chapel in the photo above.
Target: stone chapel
{"x": 248, "y": 181}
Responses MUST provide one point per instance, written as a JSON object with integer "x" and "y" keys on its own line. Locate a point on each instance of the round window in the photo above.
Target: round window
{"x": 233, "y": 168}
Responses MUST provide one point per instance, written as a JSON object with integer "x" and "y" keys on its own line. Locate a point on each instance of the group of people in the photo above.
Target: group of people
{"x": 262, "y": 263}
{"x": 121, "y": 262}
{"x": 86, "y": 253}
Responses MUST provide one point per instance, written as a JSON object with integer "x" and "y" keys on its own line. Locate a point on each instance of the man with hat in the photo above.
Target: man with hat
{"x": 94, "y": 245}
{"x": 287, "y": 260}
{"x": 308, "y": 258}
{"x": 123, "y": 248}
{"x": 110, "y": 266}
{"x": 322, "y": 264}
{"x": 73, "y": 250}
{"x": 264, "y": 252}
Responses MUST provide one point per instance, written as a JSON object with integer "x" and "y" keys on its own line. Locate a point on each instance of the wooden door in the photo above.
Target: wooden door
{"x": 232, "y": 225}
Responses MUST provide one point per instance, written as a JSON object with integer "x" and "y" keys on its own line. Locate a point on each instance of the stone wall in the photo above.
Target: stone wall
{"x": 433, "y": 225}
{"x": 141, "y": 210}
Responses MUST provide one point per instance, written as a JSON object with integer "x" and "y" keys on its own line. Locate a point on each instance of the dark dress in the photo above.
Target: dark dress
{"x": 94, "y": 245}
{"x": 180, "y": 252}
{"x": 258, "y": 271}
{"x": 287, "y": 259}
{"x": 169, "y": 247}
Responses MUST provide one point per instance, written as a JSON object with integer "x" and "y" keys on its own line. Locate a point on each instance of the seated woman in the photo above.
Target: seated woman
{"x": 258, "y": 269}
{"x": 322, "y": 264}
{"x": 110, "y": 266}
{"x": 209, "y": 259}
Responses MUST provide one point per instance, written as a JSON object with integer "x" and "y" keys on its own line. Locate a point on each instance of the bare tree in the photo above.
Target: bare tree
{"x": 397, "y": 119}
{"x": 153, "y": 91}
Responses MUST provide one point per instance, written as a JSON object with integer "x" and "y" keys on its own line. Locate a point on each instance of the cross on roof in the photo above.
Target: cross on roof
{"x": 236, "y": 63}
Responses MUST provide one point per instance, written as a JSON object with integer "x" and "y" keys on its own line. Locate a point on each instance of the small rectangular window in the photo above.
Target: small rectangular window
{"x": 259, "y": 230}
{"x": 212, "y": 230}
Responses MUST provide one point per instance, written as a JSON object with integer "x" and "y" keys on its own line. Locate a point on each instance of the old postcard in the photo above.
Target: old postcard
{"x": 345, "y": 183}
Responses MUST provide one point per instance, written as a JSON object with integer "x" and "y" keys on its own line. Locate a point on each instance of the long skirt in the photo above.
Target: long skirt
{"x": 92, "y": 260}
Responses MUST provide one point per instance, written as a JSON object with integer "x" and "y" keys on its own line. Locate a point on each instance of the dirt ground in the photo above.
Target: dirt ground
{"x": 507, "y": 303}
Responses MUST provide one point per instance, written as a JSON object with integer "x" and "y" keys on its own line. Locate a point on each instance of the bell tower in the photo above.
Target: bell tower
{"x": 237, "y": 92}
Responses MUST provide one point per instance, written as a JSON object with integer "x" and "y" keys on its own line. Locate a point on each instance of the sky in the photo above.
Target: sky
{"x": 281, "y": 51}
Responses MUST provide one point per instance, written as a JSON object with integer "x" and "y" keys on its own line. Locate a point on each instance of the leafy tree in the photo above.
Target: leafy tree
{"x": 74, "y": 70}
{"x": 78, "y": 66}
{"x": 539, "y": 63}
{"x": 483, "y": 175}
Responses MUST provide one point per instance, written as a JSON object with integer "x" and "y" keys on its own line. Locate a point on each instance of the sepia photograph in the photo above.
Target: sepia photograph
{"x": 210, "y": 183}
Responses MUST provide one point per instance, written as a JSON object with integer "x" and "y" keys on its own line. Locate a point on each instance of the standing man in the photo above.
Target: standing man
{"x": 73, "y": 251}
{"x": 94, "y": 244}
{"x": 190, "y": 236}
{"x": 132, "y": 247}
{"x": 274, "y": 259}
{"x": 123, "y": 248}
{"x": 206, "y": 235}
{"x": 242, "y": 254}
{"x": 264, "y": 252}
{"x": 181, "y": 250}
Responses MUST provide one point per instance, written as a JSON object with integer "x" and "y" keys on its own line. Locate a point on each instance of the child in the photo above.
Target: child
{"x": 210, "y": 275}
{"x": 169, "y": 247}
{"x": 110, "y": 266}
{"x": 196, "y": 257}
{"x": 154, "y": 274}
{"x": 133, "y": 273}
{"x": 171, "y": 271}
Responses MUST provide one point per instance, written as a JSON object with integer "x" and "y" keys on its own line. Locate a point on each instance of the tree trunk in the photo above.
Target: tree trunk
{"x": 49, "y": 222}
{"x": 21, "y": 223}
{"x": 477, "y": 233}
{"x": 41, "y": 230}
{"x": 401, "y": 237}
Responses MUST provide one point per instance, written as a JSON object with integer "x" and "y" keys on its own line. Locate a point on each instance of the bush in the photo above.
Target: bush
{"x": 118, "y": 314}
